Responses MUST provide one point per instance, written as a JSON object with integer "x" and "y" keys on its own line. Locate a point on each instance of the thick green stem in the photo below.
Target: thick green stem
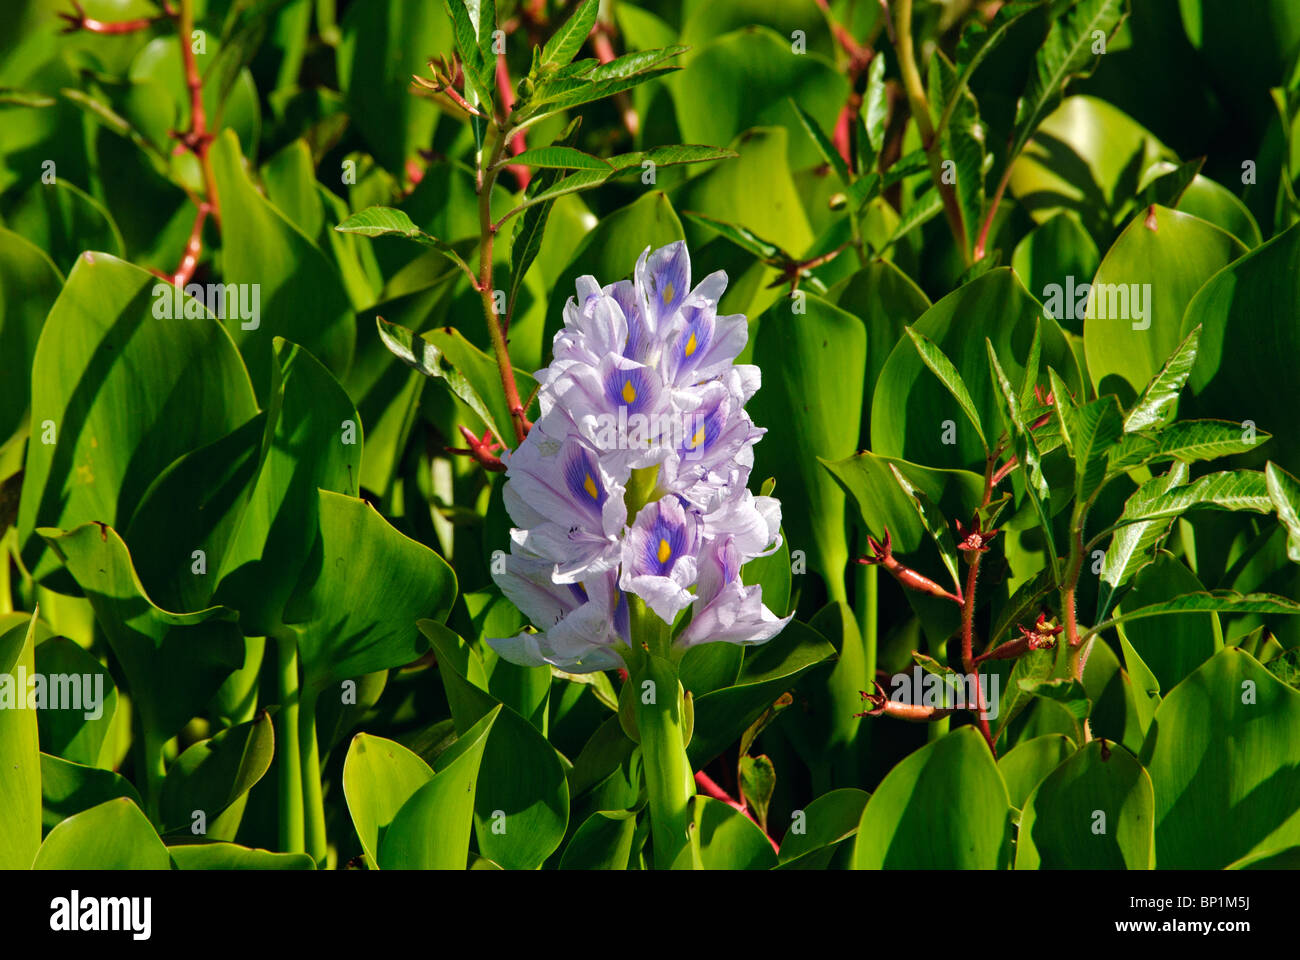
{"x": 313, "y": 804}
{"x": 154, "y": 767}
{"x": 669, "y": 780}
{"x": 286, "y": 734}
{"x": 670, "y": 783}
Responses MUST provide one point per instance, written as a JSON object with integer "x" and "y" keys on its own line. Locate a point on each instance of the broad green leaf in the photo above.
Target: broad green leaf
{"x": 818, "y": 831}
{"x": 232, "y": 856}
{"x": 1028, "y": 763}
{"x": 728, "y": 840}
{"x": 909, "y": 409}
{"x": 756, "y": 191}
{"x": 1174, "y": 645}
{"x": 1095, "y": 811}
{"x": 110, "y": 385}
{"x": 944, "y": 807}
{"x": 69, "y": 788}
{"x": 768, "y": 671}
{"x": 602, "y": 842}
{"x": 521, "y": 807}
{"x": 810, "y": 411}
{"x": 432, "y": 829}
{"x": 1221, "y": 750}
{"x": 111, "y": 836}
{"x": 299, "y": 296}
{"x": 383, "y": 43}
{"x": 736, "y": 81}
{"x": 20, "y": 787}
{"x": 75, "y": 729}
{"x": 64, "y": 221}
{"x": 379, "y": 776}
{"x": 314, "y": 442}
{"x": 1051, "y": 257}
{"x": 1133, "y": 325}
{"x": 29, "y": 284}
{"x": 213, "y": 777}
{"x": 173, "y": 662}
{"x": 348, "y": 625}
{"x": 1133, "y": 546}
{"x": 1251, "y": 302}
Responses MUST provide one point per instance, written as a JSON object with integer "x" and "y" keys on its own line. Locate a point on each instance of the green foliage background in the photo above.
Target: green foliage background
{"x": 290, "y": 633}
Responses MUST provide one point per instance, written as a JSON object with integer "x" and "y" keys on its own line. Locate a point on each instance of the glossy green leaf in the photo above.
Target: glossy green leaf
{"x": 602, "y": 842}
{"x": 29, "y": 284}
{"x": 111, "y": 836}
{"x": 213, "y": 777}
{"x": 20, "y": 787}
{"x": 69, "y": 788}
{"x": 810, "y": 411}
{"x": 1095, "y": 811}
{"x": 348, "y": 625}
{"x": 828, "y": 822}
{"x": 1135, "y": 306}
{"x": 173, "y": 662}
{"x": 432, "y": 829}
{"x": 1028, "y": 763}
{"x": 1221, "y": 750}
{"x": 521, "y": 808}
{"x": 944, "y": 807}
{"x": 909, "y": 410}
{"x": 379, "y": 777}
{"x": 1284, "y": 491}
{"x": 298, "y": 293}
{"x": 727, "y": 839}
{"x": 1251, "y": 302}
{"x": 232, "y": 856}
{"x": 108, "y": 379}
{"x": 75, "y": 728}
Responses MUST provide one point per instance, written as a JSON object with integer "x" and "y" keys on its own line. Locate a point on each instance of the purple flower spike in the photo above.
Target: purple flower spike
{"x": 643, "y": 393}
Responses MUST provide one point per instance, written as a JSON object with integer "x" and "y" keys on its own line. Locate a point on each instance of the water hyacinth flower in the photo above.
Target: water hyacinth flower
{"x": 630, "y": 491}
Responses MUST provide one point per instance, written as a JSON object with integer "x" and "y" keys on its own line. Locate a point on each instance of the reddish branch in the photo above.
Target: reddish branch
{"x": 197, "y": 139}
{"x": 882, "y": 555}
{"x": 79, "y": 21}
{"x": 483, "y": 451}
{"x": 710, "y": 787}
{"x": 604, "y": 48}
